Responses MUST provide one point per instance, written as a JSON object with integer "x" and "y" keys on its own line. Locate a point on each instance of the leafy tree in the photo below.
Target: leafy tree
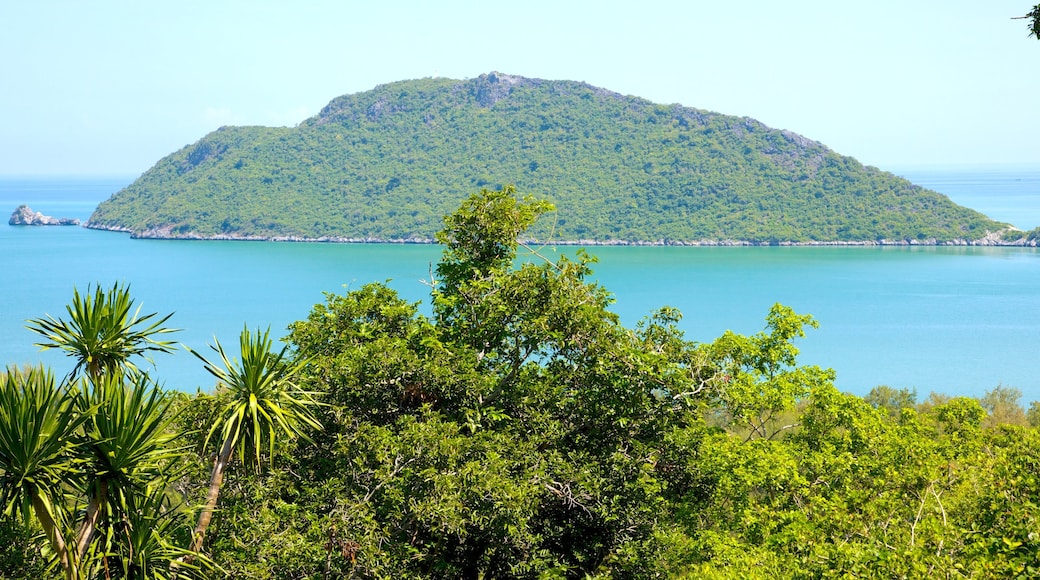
{"x": 891, "y": 399}
{"x": 519, "y": 431}
{"x": 1002, "y": 408}
{"x": 1033, "y": 414}
{"x": 760, "y": 379}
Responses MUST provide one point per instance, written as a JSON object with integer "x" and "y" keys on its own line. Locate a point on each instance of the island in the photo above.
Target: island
{"x": 384, "y": 165}
{"x": 24, "y": 216}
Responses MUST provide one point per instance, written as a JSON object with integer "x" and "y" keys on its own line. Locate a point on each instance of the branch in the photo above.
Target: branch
{"x": 784, "y": 428}
{"x": 398, "y": 467}
{"x": 563, "y": 491}
{"x": 1034, "y": 15}
{"x": 552, "y": 232}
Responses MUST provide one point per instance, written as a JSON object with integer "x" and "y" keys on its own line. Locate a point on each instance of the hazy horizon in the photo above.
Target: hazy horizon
{"x": 111, "y": 88}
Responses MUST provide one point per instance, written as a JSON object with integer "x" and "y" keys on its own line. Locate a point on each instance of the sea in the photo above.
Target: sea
{"x": 953, "y": 320}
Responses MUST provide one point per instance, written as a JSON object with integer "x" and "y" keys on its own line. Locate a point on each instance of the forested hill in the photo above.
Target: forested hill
{"x": 386, "y": 164}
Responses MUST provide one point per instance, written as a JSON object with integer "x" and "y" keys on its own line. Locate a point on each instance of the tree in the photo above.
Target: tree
{"x": 508, "y": 435}
{"x": 102, "y": 334}
{"x": 1033, "y": 414}
{"x": 1002, "y": 408}
{"x": 760, "y": 379}
{"x": 890, "y": 399}
{"x": 92, "y": 458}
{"x": 1033, "y": 16}
{"x": 262, "y": 403}
{"x": 130, "y": 451}
{"x": 38, "y": 434}
{"x": 91, "y": 449}
{"x": 521, "y": 430}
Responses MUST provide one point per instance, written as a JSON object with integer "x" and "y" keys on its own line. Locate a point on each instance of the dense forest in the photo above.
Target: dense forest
{"x": 518, "y": 431}
{"x": 387, "y": 163}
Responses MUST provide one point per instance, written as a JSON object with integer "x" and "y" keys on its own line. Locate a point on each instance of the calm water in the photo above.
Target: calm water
{"x": 956, "y": 320}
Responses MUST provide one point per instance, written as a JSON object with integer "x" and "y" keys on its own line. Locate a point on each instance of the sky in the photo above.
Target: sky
{"x": 108, "y": 88}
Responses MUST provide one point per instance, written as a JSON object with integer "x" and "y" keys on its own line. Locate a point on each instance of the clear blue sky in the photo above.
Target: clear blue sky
{"x": 109, "y": 87}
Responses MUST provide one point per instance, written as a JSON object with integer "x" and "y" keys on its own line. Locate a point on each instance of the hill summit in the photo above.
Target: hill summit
{"x": 386, "y": 164}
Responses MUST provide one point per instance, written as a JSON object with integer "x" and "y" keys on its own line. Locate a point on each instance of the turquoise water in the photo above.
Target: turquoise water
{"x": 955, "y": 320}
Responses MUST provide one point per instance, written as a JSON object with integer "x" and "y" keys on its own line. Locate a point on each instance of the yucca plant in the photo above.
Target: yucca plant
{"x": 39, "y": 432}
{"x": 141, "y": 546}
{"x": 83, "y": 455}
{"x": 128, "y": 447}
{"x": 103, "y": 333}
{"x": 263, "y": 402}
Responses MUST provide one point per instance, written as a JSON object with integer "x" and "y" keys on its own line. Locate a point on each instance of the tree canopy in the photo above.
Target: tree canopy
{"x": 514, "y": 428}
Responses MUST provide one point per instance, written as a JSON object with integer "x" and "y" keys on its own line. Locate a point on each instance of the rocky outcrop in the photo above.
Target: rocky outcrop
{"x": 25, "y": 216}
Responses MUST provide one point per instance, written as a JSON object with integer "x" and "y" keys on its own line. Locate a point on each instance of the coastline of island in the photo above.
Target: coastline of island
{"x": 1027, "y": 239}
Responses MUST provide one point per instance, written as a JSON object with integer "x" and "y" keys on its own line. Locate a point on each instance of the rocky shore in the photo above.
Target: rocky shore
{"x": 167, "y": 233}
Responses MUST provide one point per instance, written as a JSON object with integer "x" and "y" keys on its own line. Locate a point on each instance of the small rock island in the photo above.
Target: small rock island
{"x": 25, "y": 216}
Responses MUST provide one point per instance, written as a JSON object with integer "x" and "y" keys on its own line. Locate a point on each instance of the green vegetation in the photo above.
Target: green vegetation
{"x": 387, "y": 163}
{"x": 1015, "y": 235}
{"x": 261, "y": 403}
{"x": 518, "y": 431}
{"x": 90, "y": 462}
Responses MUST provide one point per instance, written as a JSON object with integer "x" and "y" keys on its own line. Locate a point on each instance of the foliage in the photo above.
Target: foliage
{"x": 517, "y": 430}
{"x": 102, "y": 334}
{"x": 1033, "y": 414}
{"x": 1033, "y": 16}
{"x": 892, "y": 400}
{"x": 760, "y": 380}
{"x": 17, "y": 560}
{"x": 90, "y": 462}
{"x": 264, "y": 402}
{"x": 521, "y": 431}
{"x": 82, "y": 460}
{"x": 1019, "y": 236}
{"x": 387, "y": 163}
{"x": 1002, "y": 408}
{"x": 498, "y": 438}
{"x": 38, "y": 443}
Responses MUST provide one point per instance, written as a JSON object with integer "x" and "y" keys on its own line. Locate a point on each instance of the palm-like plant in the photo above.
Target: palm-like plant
{"x": 83, "y": 454}
{"x": 263, "y": 402}
{"x": 127, "y": 448}
{"x": 146, "y": 530}
{"x": 38, "y": 432}
{"x": 102, "y": 333}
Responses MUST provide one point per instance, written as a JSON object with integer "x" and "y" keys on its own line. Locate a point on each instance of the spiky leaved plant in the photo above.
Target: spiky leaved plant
{"x": 103, "y": 333}
{"x": 263, "y": 402}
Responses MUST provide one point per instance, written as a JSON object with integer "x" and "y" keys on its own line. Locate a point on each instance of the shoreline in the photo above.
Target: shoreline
{"x": 991, "y": 239}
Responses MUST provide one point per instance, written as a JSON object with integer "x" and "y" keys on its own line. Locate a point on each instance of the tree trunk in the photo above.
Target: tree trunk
{"x": 55, "y": 537}
{"x": 215, "y": 481}
{"x": 89, "y": 525}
